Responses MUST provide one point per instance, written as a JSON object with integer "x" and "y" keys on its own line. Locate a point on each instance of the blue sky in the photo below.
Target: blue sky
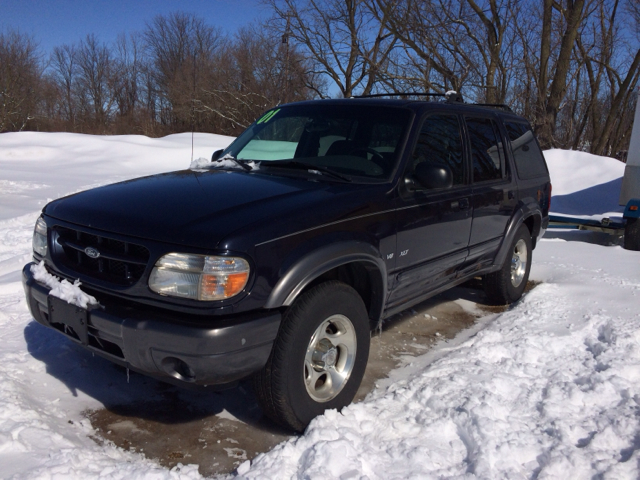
{"x": 56, "y": 22}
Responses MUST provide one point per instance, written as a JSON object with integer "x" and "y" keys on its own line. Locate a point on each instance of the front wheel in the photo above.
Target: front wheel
{"x": 319, "y": 357}
{"x": 507, "y": 284}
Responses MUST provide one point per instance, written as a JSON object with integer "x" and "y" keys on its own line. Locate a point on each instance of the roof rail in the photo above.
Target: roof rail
{"x": 500, "y": 106}
{"x": 452, "y": 96}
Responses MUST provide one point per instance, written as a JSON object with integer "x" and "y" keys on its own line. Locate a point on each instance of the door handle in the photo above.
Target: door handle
{"x": 462, "y": 204}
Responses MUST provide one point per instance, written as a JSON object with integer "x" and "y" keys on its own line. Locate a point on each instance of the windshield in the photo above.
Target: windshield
{"x": 361, "y": 141}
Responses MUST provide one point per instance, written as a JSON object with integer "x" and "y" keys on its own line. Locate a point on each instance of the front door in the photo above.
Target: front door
{"x": 433, "y": 225}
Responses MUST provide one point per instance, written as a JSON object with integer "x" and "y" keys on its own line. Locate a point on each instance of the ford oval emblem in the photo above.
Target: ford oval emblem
{"x": 92, "y": 252}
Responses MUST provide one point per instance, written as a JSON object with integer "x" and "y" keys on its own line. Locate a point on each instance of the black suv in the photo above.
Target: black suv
{"x": 276, "y": 261}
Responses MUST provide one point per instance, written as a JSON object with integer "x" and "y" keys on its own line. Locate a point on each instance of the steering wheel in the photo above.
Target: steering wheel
{"x": 377, "y": 158}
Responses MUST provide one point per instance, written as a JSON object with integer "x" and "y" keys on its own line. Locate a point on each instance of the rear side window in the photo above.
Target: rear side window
{"x": 526, "y": 153}
{"x": 486, "y": 150}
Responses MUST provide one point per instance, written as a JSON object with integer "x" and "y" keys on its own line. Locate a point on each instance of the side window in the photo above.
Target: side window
{"x": 486, "y": 149}
{"x": 440, "y": 143}
{"x": 526, "y": 153}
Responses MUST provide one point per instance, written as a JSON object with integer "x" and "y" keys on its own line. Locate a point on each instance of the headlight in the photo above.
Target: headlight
{"x": 199, "y": 277}
{"x": 39, "y": 241}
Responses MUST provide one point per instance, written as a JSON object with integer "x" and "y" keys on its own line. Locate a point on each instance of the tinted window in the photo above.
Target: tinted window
{"x": 440, "y": 143}
{"x": 486, "y": 149}
{"x": 526, "y": 153}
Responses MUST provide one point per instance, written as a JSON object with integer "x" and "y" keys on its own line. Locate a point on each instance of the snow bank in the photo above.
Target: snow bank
{"x": 43, "y": 432}
{"x": 584, "y": 185}
{"x": 38, "y": 167}
{"x": 549, "y": 389}
{"x": 572, "y": 171}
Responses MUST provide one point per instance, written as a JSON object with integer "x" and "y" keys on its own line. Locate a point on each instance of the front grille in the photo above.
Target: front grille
{"x": 119, "y": 262}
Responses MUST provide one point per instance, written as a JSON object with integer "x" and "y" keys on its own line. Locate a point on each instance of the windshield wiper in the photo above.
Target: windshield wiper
{"x": 233, "y": 159}
{"x": 306, "y": 166}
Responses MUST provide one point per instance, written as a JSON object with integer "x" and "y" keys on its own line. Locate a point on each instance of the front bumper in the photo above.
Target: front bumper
{"x": 169, "y": 346}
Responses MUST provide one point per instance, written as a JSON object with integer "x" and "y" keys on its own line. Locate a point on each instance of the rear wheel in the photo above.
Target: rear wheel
{"x": 507, "y": 284}
{"x": 632, "y": 234}
{"x": 319, "y": 357}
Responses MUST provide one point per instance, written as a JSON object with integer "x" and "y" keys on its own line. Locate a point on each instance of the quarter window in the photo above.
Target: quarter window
{"x": 526, "y": 153}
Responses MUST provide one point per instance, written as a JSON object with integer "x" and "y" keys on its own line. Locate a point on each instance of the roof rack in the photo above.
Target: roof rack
{"x": 500, "y": 106}
{"x": 452, "y": 97}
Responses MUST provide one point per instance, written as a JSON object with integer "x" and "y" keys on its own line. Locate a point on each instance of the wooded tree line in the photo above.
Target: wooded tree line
{"x": 176, "y": 75}
{"x": 570, "y": 66}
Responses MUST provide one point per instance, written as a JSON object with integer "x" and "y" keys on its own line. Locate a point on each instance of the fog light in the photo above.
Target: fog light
{"x": 178, "y": 369}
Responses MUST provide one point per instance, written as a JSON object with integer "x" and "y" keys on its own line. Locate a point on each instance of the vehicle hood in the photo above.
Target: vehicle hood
{"x": 197, "y": 208}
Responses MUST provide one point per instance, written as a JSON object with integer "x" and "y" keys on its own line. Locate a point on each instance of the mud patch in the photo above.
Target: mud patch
{"x": 220, "y": 430}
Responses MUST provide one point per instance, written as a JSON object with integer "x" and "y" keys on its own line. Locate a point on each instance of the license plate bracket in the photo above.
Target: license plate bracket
{"x": 71, "y": 316}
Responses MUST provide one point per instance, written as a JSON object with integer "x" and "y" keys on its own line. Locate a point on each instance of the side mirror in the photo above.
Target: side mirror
{"x": 433, "y": 176}
{"x": 216, "y": 155}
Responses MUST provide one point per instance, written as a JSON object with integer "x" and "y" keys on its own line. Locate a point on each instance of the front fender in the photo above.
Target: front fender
{"x": 306, "y": 269}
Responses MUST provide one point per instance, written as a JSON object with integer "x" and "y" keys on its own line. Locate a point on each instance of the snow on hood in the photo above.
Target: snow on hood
{"x": 225, "y": 162}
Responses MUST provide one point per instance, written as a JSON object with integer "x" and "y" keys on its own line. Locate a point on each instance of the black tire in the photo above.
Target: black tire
{"x": 281, "y": 387}
{"x": 507, "y": 284}
{"x": 632, "y": 234}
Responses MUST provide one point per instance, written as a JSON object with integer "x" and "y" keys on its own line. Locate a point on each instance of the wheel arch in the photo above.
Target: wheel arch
{"x": 525, "y": 215}
{"x": 357, "y": 264}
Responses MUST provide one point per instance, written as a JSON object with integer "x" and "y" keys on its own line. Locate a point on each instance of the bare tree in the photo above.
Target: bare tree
{"x": 599, "y": 60}
{"x": 64, "y": 73}
{"x": 95, "y": 77}
{"x": 127, "y": 79}
{"x": 552, "y": 79}
{"x": 450, "y": 44}
{"x": 341, "y": 37}
{"x": 20, "y": 77}
{"x": 570, "y": 66}
{"x": 256, "y": 72}
{"x": 182, "y": 49}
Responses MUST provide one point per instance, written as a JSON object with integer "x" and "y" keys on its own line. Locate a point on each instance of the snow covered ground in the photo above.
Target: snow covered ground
{"x": 548, "y": 389}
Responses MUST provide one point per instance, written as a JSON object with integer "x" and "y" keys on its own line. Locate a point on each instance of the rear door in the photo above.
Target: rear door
{"x": 493, "y": 197}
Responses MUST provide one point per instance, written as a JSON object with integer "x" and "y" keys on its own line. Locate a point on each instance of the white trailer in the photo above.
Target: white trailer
{"x": 630, "y": 191}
